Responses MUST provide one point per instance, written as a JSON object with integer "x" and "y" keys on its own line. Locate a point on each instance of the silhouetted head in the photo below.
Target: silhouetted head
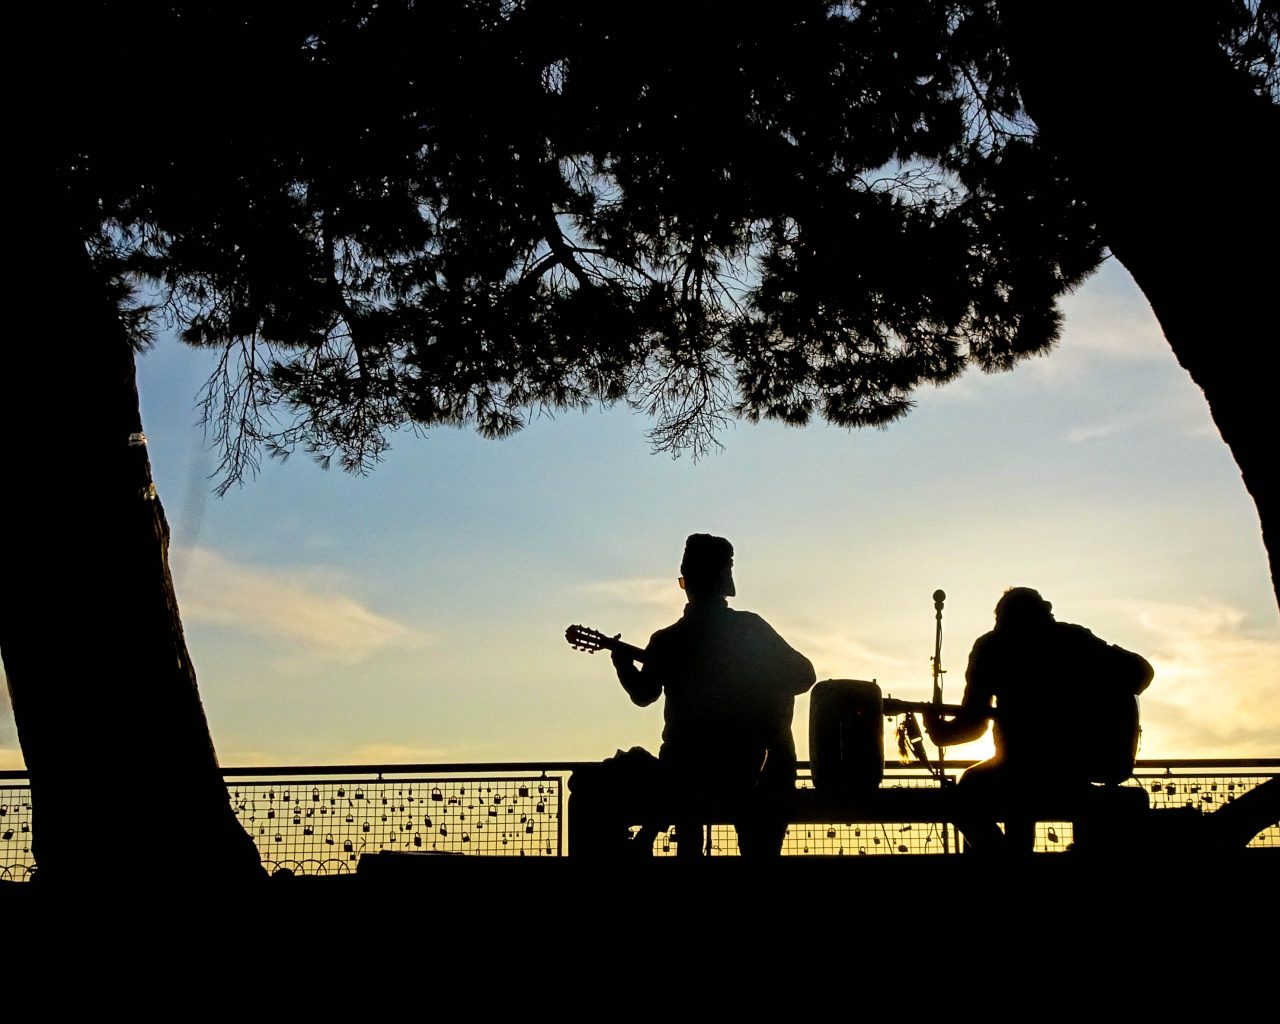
{"x": 1022, "y": 608}
{"x": 707, "y": 567}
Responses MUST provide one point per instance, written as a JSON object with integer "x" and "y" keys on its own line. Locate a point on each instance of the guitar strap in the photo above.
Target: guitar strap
{"x": 911, "y": 741}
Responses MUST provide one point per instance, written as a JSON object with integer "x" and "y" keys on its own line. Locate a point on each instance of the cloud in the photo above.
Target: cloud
{"x": 1106, "y": 322}
{"x": 1128, "y": 423}
{"x": 393, "y": 753}
{"x": 368, "y": 753}
{"x": 647, "y": 591}
{"x": 1108, "y": 318}
{"x": 834, "y": 653}
{"x": 321, "y": 623}
{"x": 1215, "y": 692}
{"x": 1180, "y": 411}
{"x": 1098, "y": 430}
{"x": 1107, "y": 325}
{"x": 838, "y": 654}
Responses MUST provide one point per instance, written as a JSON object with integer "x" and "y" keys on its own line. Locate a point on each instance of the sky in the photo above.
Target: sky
{"x": 417, "y": 615}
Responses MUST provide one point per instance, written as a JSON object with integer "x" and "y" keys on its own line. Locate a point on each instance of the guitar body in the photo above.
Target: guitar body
{"x": 1106, "y": 744}
{"x": 1095, "y": 741}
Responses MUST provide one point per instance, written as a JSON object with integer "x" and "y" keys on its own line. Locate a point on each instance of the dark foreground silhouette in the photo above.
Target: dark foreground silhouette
{"x": 1065, "y": 709}
{"x": 729, "y": 683}
{"x": 1064, "y": 703}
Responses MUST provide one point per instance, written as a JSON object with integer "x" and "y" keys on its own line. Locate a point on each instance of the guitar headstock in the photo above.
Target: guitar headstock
{"x": 590, "y": 640}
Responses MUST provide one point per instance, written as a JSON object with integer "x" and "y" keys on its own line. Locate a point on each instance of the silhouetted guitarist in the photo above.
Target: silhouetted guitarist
{"x": 1067, "y": 714}
{"x": 730, "y": 684}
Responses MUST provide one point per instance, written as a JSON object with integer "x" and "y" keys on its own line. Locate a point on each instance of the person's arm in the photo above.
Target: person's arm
{"x": 971, "y": 723}
{"x": 790, "y": 670}
{"x": 1119, "y": 668}
{"x": 795, "y": 669}
{"x": 642, "y": 687}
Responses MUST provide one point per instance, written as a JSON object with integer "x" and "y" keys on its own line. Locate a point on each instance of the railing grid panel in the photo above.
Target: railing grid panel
{"x": 314, "y": 823}
{"x": 16, "y": 862}
{"x": 1205, "y": 792}
{"x": 326, "y": 826}
{"x": 878, "y": 839}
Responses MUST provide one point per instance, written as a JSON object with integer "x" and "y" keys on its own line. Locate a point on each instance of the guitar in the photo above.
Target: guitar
{"x": 1106, "y": 741}
{"x": 591, "y": 640}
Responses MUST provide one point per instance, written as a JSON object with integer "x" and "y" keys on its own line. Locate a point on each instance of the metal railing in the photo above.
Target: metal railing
{"x": 320, "y": 820}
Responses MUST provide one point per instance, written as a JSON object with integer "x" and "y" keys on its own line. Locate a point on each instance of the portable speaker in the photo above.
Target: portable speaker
{"x": 846, "y": 735}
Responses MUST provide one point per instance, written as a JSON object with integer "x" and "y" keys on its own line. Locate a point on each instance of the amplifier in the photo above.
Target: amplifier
{"x": 846, "y": 735}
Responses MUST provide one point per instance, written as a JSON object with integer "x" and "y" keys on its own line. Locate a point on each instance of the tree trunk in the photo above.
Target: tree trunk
{"x": 125, "y": 783}
{"x": 1174, "y": 152}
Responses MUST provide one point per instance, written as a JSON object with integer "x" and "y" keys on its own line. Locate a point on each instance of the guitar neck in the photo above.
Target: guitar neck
{"x": 591, "y": 640}
{"x": 890, "y": 706}
{"x": 631, "y": 651}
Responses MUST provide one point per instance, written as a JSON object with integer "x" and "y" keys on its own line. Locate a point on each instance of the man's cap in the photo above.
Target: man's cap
{"x": 705, "y": 556}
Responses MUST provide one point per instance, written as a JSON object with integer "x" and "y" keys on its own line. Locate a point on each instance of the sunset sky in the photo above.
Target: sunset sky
{"x": 418, "y": 614}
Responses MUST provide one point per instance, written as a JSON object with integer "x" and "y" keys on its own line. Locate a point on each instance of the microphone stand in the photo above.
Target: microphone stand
{"x": 938, "y": 671}
{"x": 910, "y": 738}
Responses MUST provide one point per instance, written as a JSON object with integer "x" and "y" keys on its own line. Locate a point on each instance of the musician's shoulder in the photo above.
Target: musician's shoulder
{"x": 748, "y": 620}
{"x": 1076, "y": 631}
{"x": 667, "y": 633}
{"x": 987, "y": 642}
{"x": 1087, "y": 638}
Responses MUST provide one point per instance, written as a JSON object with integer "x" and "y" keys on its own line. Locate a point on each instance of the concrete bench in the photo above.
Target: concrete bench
{"x": 1100, "y": 815}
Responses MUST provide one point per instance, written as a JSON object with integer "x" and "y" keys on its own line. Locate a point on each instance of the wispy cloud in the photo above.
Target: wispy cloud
{"x": 1217, "y": 687}
{"x": 1093, "y": 432}
{"x": 393, "y": 753}
{"x": 835, "y": 654}
{"x": 320, "y": 621}
{"x": 319, "y": 752}
{"x": 1109, "y": 319}
{"x": 1179, "y": 411}
{"x": 1106, "y": 322}
{"x": 839, "y": 654}
{"x": 1100, "y": 326}
{"x": 648, "y": 591}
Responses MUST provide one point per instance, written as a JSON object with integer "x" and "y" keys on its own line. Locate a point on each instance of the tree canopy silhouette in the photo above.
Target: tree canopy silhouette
{"x": 792, "y": 214}
{"x": 799, "y": 213}
{"x": 397, "y": 213}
